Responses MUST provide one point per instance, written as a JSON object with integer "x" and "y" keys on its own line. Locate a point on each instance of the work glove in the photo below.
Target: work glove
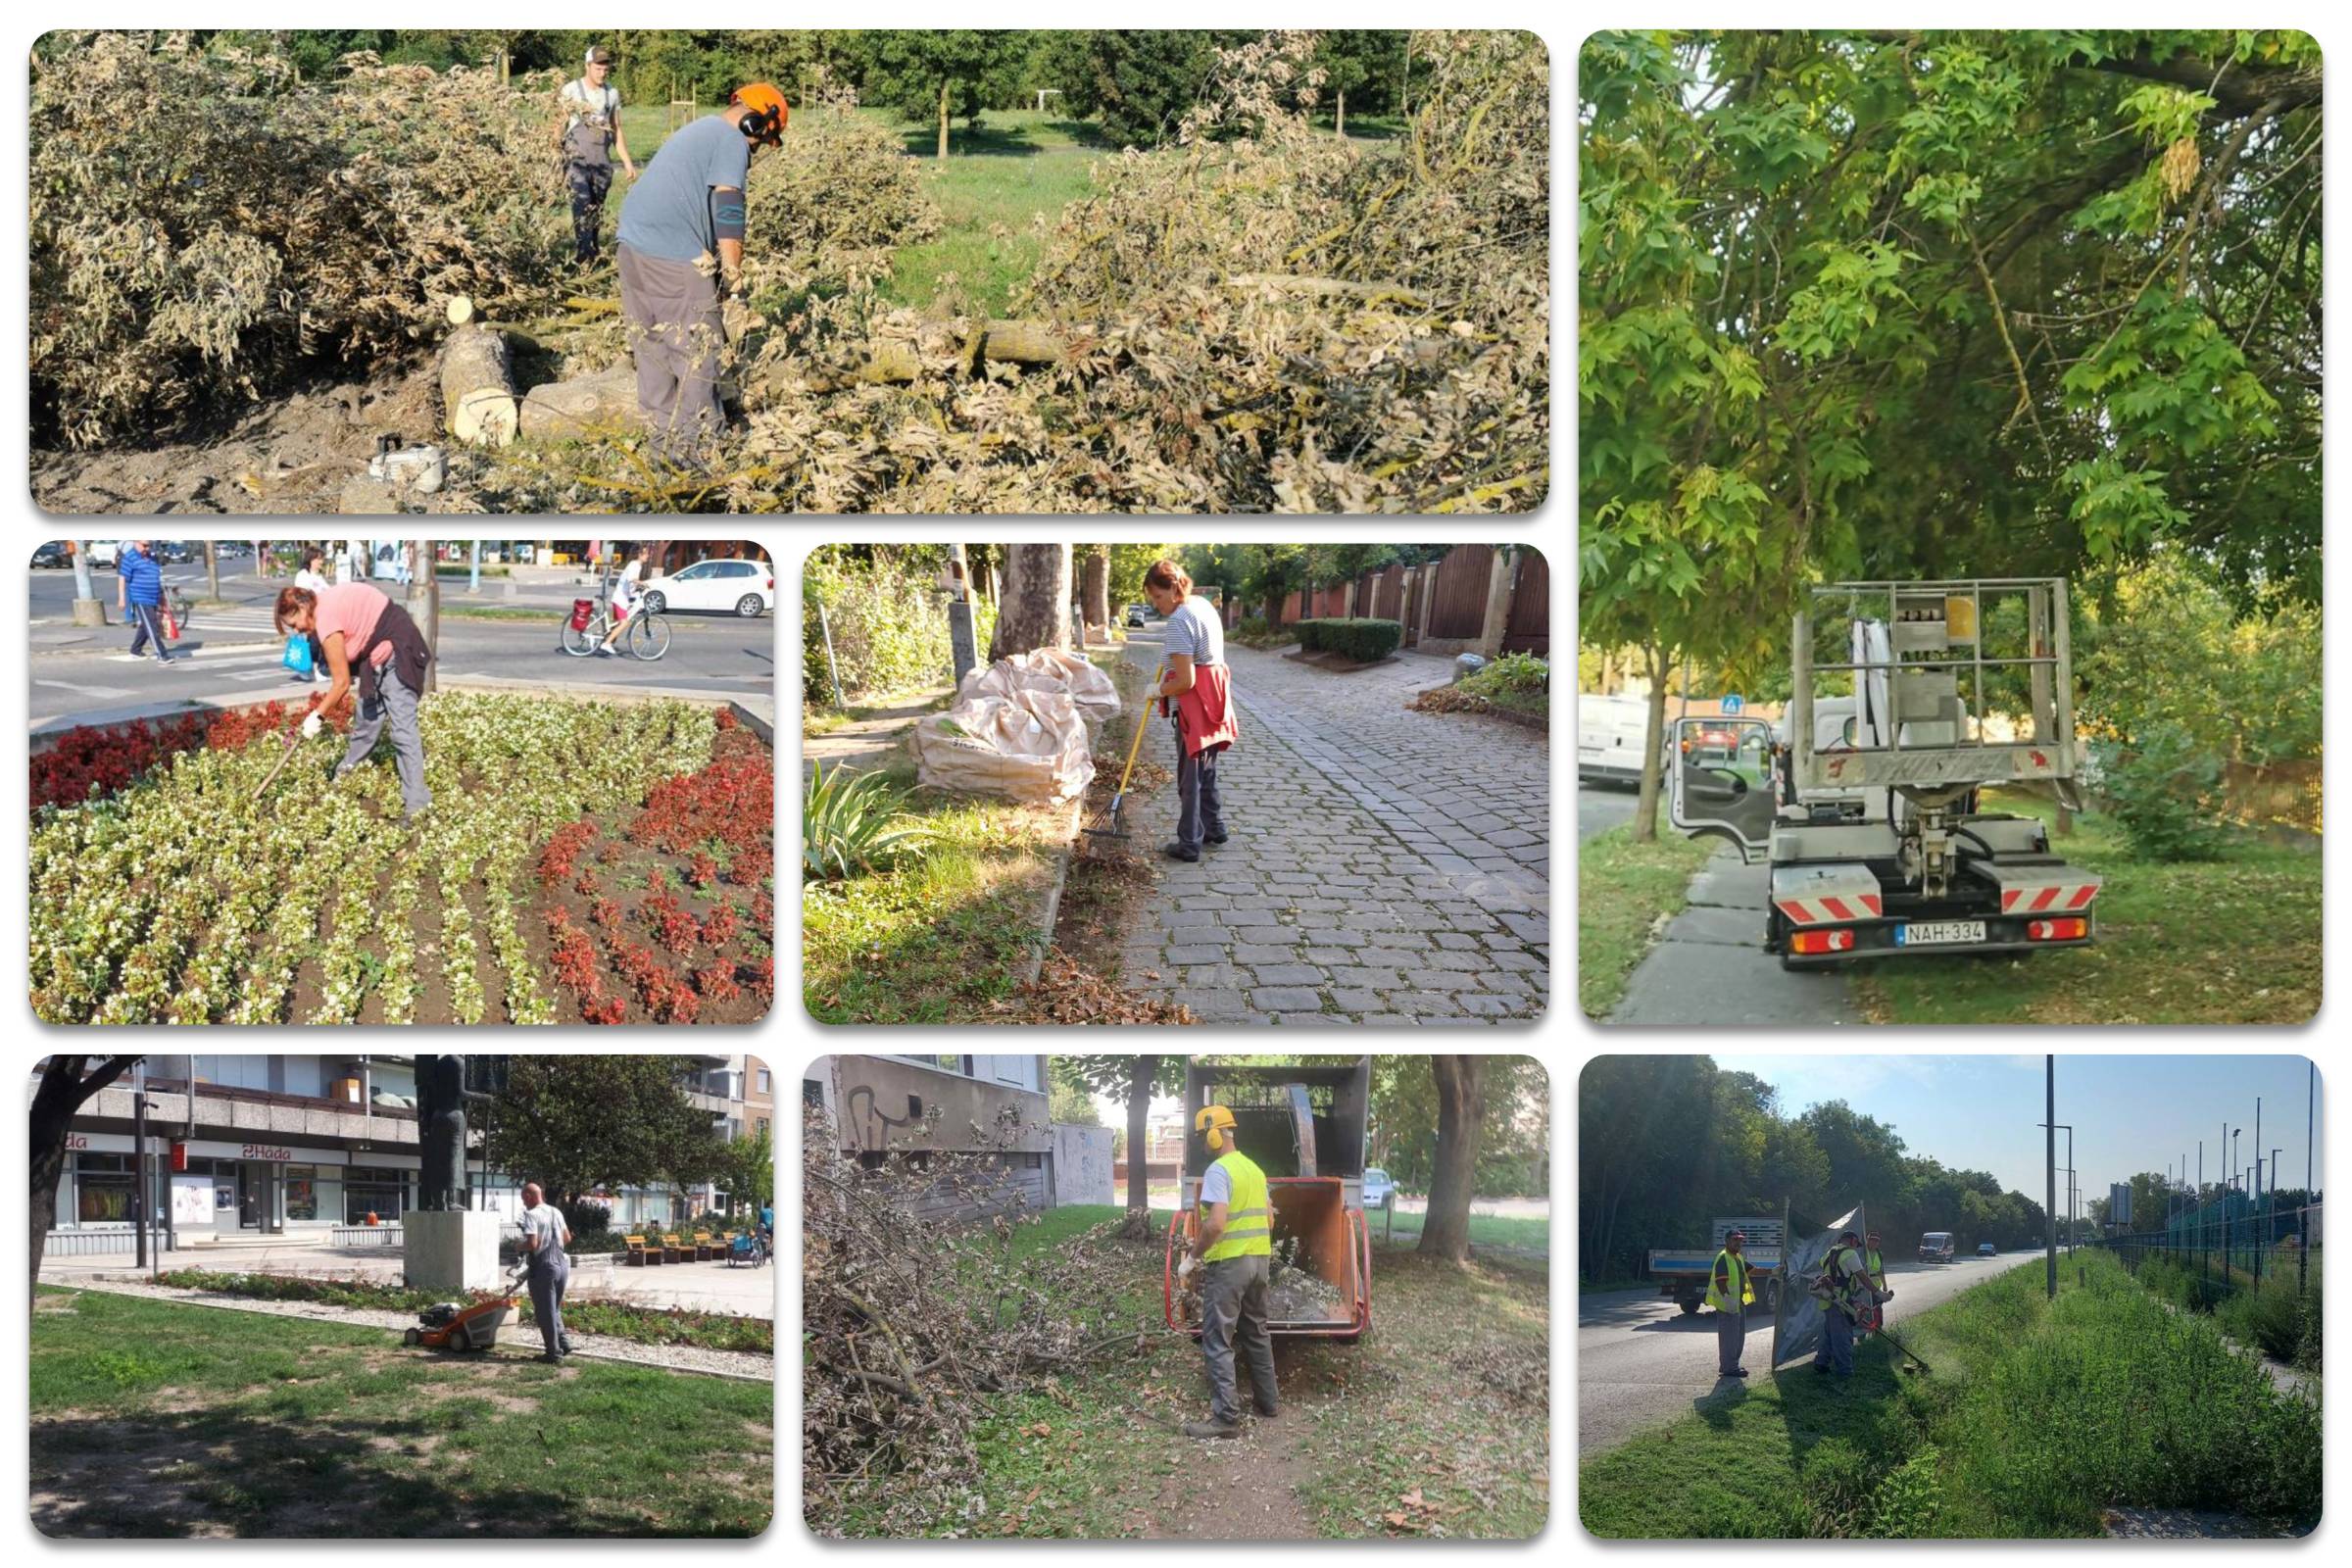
{"x": 312, "y": 726}
{"x": 1185, "y": 1269}
{"x": 738, "y": 317}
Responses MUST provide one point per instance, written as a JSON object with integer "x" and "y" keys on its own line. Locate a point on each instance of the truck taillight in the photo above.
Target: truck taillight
{"x": 1839, "y": 941}
{"x": 2070, "y": 929}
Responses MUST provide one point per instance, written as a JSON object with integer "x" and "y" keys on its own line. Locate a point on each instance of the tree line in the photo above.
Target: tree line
{"x": 1666, "y": 1143}
{"x": 1135, "y": 84}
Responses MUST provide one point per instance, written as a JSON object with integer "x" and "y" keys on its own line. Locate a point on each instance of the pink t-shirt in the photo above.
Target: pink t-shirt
{"x": 353, "y": 609}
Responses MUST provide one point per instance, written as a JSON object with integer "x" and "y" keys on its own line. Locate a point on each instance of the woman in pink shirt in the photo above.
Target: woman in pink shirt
{"x": 358, "y": 627}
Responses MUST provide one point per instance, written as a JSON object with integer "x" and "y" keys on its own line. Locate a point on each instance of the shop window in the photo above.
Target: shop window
{"x": 302, "y": 1192}
{"x": 103, "y": 1185}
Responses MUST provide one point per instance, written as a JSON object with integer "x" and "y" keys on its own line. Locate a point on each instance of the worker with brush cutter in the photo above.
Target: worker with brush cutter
{"x": 1843, "y": 1289}
{"x": 357, "y": 626}
{"x": 1232, "y": 1250}
{"x": 1196, "y": 689}
{"x": 682, "y": 266}
{"x": 1873, "y": 1273}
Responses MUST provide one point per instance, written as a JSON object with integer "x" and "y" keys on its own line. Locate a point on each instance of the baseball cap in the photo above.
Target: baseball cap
{"x": 599, "y": 55}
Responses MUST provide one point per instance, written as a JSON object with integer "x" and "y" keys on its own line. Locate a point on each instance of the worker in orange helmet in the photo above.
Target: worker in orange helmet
{"x": 681, "y": 265}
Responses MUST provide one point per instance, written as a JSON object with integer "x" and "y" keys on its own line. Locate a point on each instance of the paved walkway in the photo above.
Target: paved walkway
{"x": 1386, "y": 867}
{"x": 1710, "y": 966}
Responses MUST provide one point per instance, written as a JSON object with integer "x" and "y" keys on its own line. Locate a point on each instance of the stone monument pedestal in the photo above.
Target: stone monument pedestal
{"x": 451, "y": 1250}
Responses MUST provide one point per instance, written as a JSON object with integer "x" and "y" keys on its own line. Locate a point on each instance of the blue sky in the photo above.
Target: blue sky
{"x": 2129, "y": 1113}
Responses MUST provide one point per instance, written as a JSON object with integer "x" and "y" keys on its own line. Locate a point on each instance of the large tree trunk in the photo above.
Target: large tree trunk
{"x": 1140, "y": 1074}
{"x": 63, "y": 1090}
{"x": 559, "y": 409}
{"x": 1035, "y": 611}
{"x": 1462, "y": 1117}
{"x": 477, "y": 387}
{"x": 943, "y": 122}
{"x": 212, "y": 569}
{"x": 1096, "y": 593}
{"x": 1645, "y": 809}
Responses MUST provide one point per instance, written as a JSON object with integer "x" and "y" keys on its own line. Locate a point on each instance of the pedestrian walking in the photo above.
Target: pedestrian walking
{"x": 357, "y": 626}
{"x": 1842, "y": 1290}
{"x": 1196, "y": 690}
{"x": 1731, "y": 1289}
{"x": 591, "y": 136}
{"x": 680, "y": 249}
{"x": 313, "y": 577}
{"x": 545, "y": 1235}
{"x": 1233, "y": 1249}
{"x": 140, "y": 591}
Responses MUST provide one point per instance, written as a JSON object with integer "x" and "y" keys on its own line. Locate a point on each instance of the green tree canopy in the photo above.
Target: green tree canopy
{"x": 571, "y": 1123}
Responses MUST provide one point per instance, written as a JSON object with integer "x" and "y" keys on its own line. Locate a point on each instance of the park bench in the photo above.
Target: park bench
{"x": 639, "y": 1253}
{"x": 705, "y": 1249}
{"x": 674, "y": 1251}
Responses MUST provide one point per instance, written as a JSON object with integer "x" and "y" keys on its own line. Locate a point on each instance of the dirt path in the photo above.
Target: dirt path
{"x": 1247, "y": 1488}
{"x": 871, "y": 742}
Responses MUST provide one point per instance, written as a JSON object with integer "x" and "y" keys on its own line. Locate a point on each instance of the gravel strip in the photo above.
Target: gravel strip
{"x": 740, "y": 1364}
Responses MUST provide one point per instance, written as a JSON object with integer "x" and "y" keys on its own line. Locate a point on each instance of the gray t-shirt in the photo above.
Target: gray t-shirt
{"x": 1195, "y": 631}
{"x": 667, "y": 214}
{"x": 1217, "y": 1186}
{"x": 546, "y": 1223}
{"x": 594, "y": 111}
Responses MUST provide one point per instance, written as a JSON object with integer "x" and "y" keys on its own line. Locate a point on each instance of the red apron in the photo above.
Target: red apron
{"x": 1205, "y": 715}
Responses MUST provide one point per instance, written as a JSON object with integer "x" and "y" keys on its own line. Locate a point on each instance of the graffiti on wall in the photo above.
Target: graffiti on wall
{"x": 871, "y": 1128}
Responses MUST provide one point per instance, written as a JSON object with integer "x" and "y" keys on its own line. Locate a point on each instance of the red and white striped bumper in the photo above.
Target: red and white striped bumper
{"x": 1827, "y": 895}
{"x": 2045, "y": 889}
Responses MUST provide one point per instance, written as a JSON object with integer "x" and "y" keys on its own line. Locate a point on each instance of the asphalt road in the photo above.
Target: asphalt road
{"x": 1601, "y": 807}
{"x": 84, "y": 676}
{"x": 1640, "y": 1361}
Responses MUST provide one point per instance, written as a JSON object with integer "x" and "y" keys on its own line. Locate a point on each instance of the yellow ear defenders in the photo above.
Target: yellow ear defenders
{"x": 1215, "y": 1121}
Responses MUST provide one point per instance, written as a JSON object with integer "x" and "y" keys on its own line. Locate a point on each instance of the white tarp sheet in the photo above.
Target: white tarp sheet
{"x": 1020, "y": 729}
{"x": 1045, "y": 669}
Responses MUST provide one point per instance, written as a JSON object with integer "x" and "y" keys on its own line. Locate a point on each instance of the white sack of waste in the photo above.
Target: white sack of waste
{"x": 1031, "y": 746}
{"x": 1049, "y": 670}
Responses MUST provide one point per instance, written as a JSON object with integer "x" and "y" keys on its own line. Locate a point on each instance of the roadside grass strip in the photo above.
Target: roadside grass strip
{"x": 2036, "y": 1418}
{"x": 147, "y": 1419}
{"x": 1526, "y": 1234}
{"x": 2235, "y": 940}
{"x": 1624, "y": 890}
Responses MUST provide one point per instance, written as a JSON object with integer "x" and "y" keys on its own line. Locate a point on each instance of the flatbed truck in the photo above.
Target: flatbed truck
{"x": 1683, "y": 1273}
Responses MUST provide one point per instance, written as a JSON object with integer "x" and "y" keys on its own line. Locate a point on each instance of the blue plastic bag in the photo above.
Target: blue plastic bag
{"x": 298, "y": 654}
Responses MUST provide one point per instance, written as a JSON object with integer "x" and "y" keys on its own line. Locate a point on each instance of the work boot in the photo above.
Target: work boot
{"x": 1215, "y": 838}
{"x": 551, "y": 1360}
{"x": 1176, "y": 849}
{"x": 1737, "y": 1372}
{"x": 1210, "y": 1428}
{"x": 1267, "y": 1412}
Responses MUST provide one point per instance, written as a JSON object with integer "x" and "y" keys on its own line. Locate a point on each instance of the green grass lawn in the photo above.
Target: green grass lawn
{"x": 1017, "y": 166}
{"x": 2034, "y": 1417}
{"x": 1495, "y": 1230}
{"x": 1623, "y": 892}
{"x": 156, "y": 1418}
{"x": 2230, "y": 941}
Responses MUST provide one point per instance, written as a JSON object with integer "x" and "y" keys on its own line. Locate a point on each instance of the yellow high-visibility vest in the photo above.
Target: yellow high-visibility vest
{"x": 1743, "y": 1294}
{"x": 1249, "y": 1221}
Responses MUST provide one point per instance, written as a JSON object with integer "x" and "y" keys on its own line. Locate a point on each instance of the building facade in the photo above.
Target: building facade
{"x": 920, "y": 1104}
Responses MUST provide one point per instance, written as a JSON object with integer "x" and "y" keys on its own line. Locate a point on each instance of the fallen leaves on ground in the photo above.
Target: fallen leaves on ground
{"x": 1066, "y": 991}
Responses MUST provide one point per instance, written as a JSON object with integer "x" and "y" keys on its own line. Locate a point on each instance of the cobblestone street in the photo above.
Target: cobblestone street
{"x": 1385, "y": 866}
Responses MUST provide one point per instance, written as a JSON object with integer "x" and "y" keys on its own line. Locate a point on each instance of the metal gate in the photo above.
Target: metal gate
{"x": 1527, "y": 627}
{"x": 1458, "y": 609}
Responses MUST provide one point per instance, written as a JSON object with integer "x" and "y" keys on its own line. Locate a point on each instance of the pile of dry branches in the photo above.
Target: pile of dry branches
{"x": 909, "y": 1323}
{"x": 203, "y": 222}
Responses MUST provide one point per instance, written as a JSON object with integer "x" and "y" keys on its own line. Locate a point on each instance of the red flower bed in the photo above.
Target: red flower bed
{"x": 717, "y": 982}
{"x": 563, "y": 850}
{"x": 95, "y": 761}
{"x": 733, "y": 802}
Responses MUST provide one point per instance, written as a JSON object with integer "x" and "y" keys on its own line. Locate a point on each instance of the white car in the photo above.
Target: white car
{"x": 747, "y": 588}
{"x": 1609, "y": 735}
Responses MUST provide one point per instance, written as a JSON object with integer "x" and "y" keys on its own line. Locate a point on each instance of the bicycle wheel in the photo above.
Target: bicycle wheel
{"x": 581, "y": 643}
{"x": 648, "y": 635}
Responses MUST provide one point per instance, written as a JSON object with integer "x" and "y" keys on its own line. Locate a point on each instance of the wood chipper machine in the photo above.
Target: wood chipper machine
{"x": 1305, "y": 1128}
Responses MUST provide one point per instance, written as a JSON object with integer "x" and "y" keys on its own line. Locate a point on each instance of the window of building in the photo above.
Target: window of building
{"x": 302, "y": 1192}
{"x": 1013, "y": 1070}
{"x": 102, "y": 1187}
{"x": 368, "y": 1189}
{"x": 812, "y": 1092}
{"x": 763, "y": 1088}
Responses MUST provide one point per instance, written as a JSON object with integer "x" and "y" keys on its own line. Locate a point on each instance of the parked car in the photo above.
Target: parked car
{"x": 171, "y": 550}
{"x": 231, "y": 547}
{"x": 53, "y": 554}
{"x": 748, "y": 588}
{"x": 1379, "y": 1191}
{"x": 1987, "y": 1250}
{"x": 1135, "y": 614}
{"x": 1935, "y": 1248}
{"x": 104, "y": 550}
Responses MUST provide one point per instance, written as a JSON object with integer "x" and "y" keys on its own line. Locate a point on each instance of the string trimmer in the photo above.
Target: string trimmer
{"x": 1108, "y": 825}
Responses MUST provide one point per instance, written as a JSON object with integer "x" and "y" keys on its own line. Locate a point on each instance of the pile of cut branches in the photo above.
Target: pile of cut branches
{"x": 914, "y": 1318}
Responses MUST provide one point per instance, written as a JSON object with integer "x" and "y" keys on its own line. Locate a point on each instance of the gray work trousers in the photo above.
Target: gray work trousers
{"x": 395, "y": 706}
{"x": 1731, "y": 1337}
{"x": 1233, "y": 1294}
{"x": 548, "y": 1278}
{"x": 149, "y": 621}
{"x": 1199, "y": 813}
{"x": 1836, "y": 1343}
{"x": 678, "y": 337}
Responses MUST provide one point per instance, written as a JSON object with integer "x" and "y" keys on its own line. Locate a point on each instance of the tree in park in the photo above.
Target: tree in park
{"x": 1033, "y": 609}
{"x": 1138, "y": 81}
{"x": 573, "y": 1123}
{"x": 1892, "y": 304}
{"x": 1461, "y": 1123}
{"x": 1095, "y": 585}
{"x": 1363, "y": 67}
{"x": 1129, "y": 564}
{"x": 745, "y": 1168}
{"x": 68, "y": 1083}
{"x": 1137, "y": 1078}
{"x": 937, "y": 73}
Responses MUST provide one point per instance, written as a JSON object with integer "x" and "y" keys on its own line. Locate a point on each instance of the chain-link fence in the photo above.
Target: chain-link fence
{"x": 2231, "y": 1244}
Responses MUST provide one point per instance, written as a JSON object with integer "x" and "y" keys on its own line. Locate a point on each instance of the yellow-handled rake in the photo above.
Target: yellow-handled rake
{"x": 1108, "y": 825}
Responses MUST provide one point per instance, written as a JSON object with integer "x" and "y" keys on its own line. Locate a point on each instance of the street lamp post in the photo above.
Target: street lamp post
{"x": 2070, "y": 1189}
{"x": 2049, "y": 1160}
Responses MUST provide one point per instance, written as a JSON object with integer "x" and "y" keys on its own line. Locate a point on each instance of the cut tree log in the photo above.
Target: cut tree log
{"x": 477, "y": 387}
{"x": 559, "y": 411}
{"x": 461, "y": 310}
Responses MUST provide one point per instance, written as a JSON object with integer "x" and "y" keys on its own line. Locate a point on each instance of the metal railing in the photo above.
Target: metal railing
{"x": 2233, "y": 1247}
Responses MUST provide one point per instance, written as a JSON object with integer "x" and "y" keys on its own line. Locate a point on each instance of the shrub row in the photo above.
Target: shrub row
{"x": 1356, "y": 638}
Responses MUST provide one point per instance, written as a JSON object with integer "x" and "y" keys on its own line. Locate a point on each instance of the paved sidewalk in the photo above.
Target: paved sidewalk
{"x": 1710, "y": 966}
{"x": 1385, "y": 866}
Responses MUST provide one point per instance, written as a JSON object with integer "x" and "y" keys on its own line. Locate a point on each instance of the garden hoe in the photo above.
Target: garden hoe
{"x": 291, "y": 746}
{"x": 1108, "y": 825}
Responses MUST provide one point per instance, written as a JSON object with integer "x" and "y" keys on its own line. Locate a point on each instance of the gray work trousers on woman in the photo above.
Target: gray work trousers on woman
{"x": 1199, "y": 813}
{"x": 676, "y": 335}
{"x": 549, "y": 1277}
{"x": 395, "y": 706}
{"x": 1233, "y": 1297}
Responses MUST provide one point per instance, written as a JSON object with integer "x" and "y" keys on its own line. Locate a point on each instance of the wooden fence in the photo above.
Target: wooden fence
{"x": 1458, "y": 607}
{"x": 1527, "y": 627}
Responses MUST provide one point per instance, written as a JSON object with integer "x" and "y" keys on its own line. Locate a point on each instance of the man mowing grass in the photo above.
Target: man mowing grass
{"x": 544, "y": 1234}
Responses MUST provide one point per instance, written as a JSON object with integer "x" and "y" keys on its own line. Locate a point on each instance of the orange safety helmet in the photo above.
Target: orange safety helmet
{"x": 767, "y": 112}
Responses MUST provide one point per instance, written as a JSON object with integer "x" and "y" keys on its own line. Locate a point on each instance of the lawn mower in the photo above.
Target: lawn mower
{"x": 456, "y": 1326}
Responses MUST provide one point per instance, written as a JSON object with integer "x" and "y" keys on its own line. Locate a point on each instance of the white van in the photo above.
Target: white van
{"x": 1609, "y": 732}
{"x": 103, "y": 551}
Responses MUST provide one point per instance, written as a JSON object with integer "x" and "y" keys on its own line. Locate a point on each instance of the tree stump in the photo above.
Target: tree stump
{"x": 477, "y": 387}
{"x": 563, "y": 410}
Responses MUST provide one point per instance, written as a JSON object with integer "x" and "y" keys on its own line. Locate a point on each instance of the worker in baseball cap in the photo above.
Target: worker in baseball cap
{"x": 591, "y": 136}
{"x": 1730, "y": 1292}
{"x": 681, "y": 265}
{"x": 1874, "y": 1270}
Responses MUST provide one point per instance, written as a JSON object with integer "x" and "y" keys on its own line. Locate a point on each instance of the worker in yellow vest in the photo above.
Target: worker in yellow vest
{"x": 1874, "y": 1270}
{"x": 1730, "y": 1291}
{"x": 1233, "y": 1244}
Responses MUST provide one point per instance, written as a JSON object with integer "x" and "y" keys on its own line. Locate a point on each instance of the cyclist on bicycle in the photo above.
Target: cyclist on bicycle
{"x": 624, "y": 599}
{"x": 767, "y": 1227}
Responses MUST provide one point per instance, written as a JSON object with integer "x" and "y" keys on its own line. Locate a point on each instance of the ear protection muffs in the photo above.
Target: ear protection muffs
{"x": 761, "y": 124}
{"x": 1214, "y": 1121}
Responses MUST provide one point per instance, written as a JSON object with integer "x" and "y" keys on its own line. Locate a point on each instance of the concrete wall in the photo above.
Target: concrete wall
{"x": 885, "y": 1103}
{"x": 1081, "y": 1164}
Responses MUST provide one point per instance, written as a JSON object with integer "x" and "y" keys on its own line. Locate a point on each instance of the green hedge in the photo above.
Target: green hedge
{"x": 1356, "y": 638}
